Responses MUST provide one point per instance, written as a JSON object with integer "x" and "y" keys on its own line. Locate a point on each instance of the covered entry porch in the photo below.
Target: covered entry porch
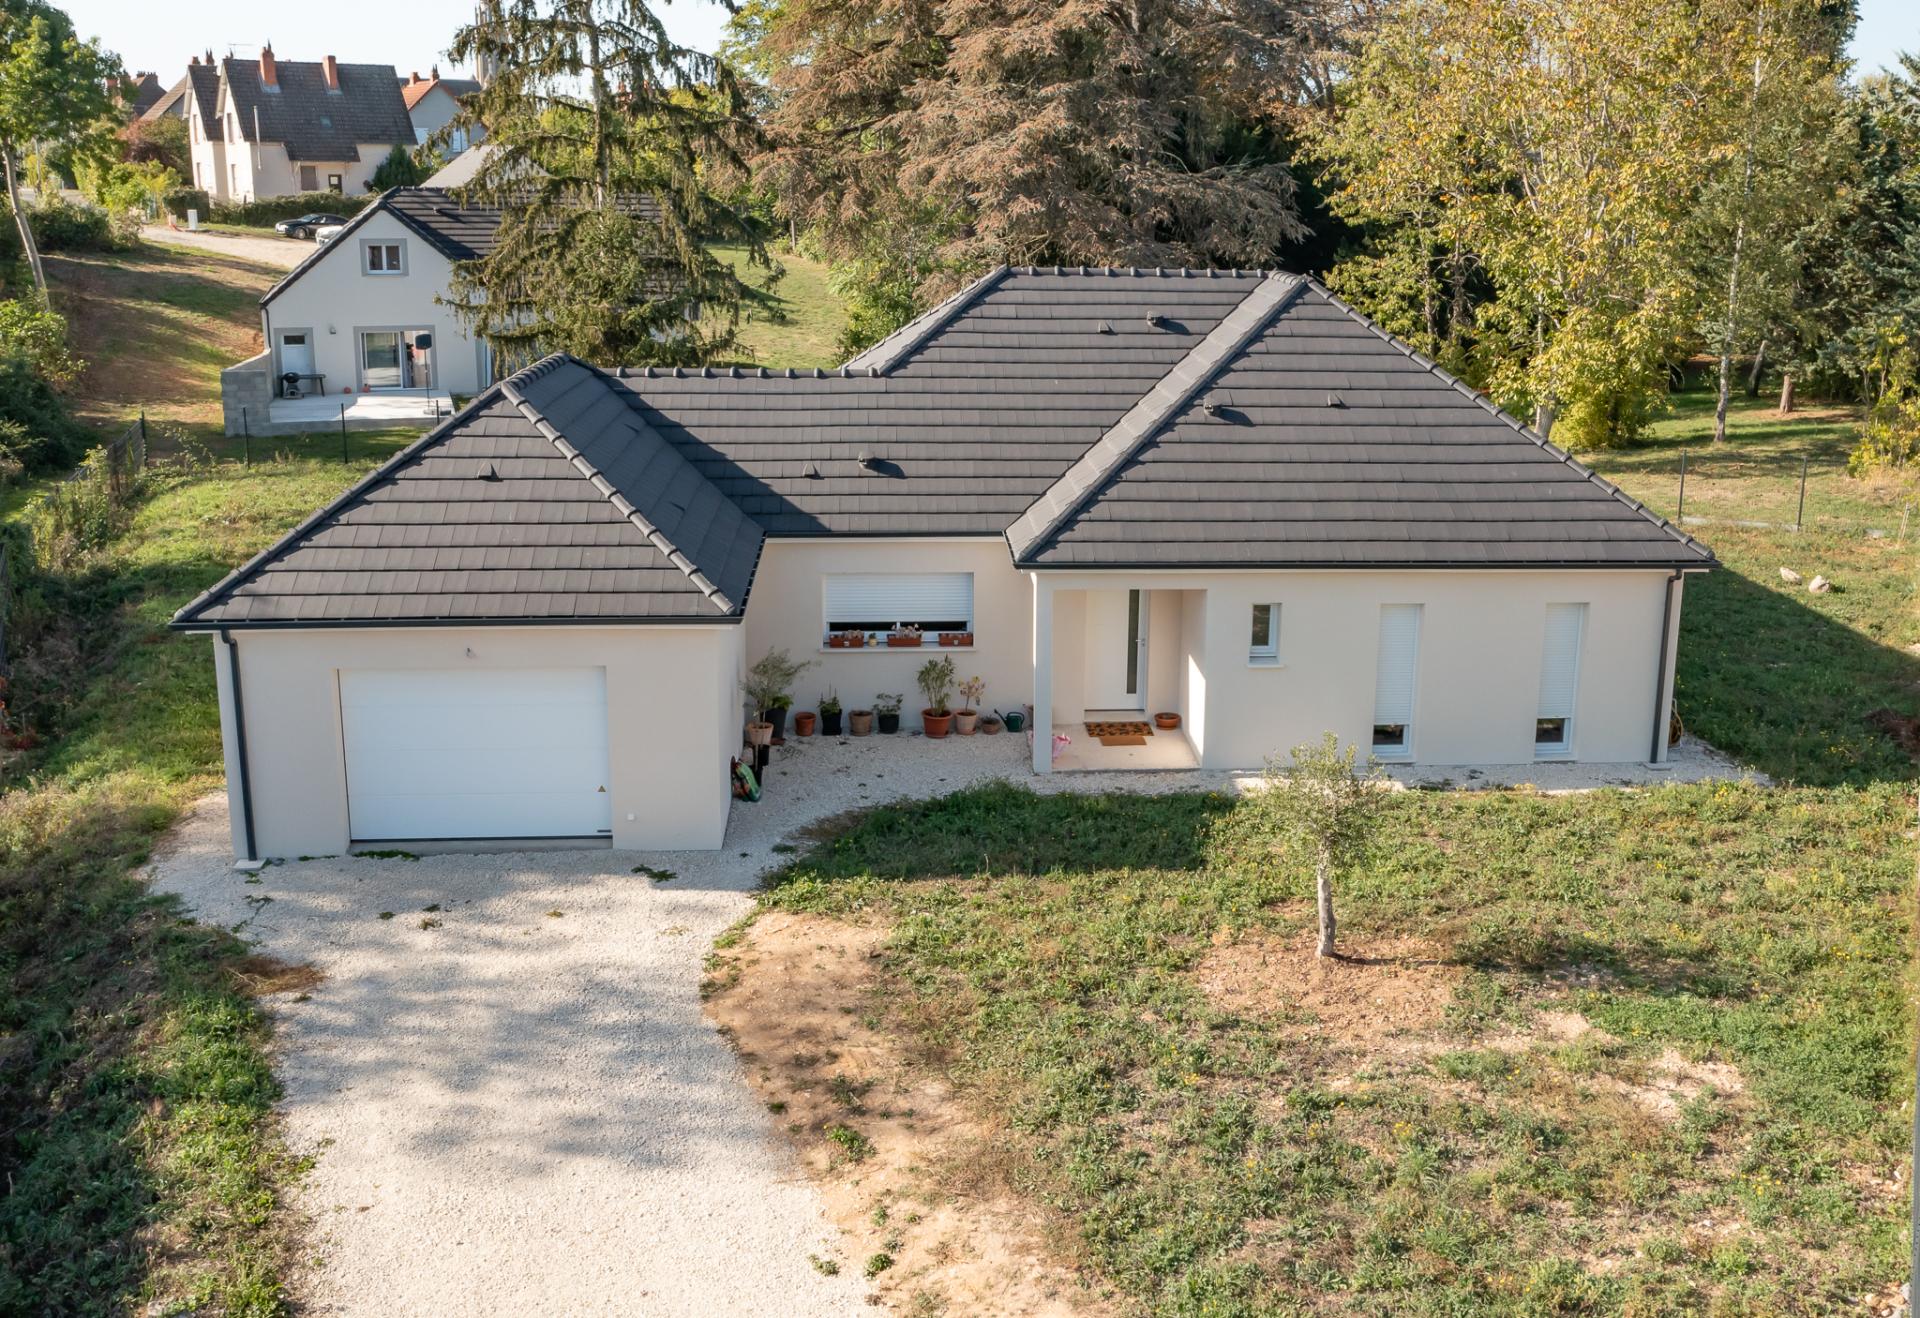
{"x": 1108, "y": 659}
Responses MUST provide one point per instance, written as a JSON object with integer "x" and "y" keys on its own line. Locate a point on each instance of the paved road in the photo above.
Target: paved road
{"x": 283, "y": 252}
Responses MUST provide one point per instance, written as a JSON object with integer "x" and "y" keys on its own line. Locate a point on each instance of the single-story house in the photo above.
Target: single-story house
{"x": 1221, "y": 494}
{"x": 363, "y": 313}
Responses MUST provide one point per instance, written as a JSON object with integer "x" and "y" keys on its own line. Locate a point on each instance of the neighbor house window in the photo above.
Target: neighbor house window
{"x": 309, "y": 179}
{"x": 384, "y": 258}
{"x": 1264, "y": 646}
{"x": 879, "y": 603}
{"x": 1559, "y": 679}
{"x": 1393, "y": 681}
{"x": 335, "y": 182}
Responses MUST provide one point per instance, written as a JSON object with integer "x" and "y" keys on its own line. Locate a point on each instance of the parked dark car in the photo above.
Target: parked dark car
{"x": 303, "y": 226}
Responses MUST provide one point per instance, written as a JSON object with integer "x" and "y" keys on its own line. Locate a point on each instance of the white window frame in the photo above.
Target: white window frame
{"x": 1267, "y": 655}
{"x": 1405, "y": 720}
{"x": 875, "y": 586}
{"x": 1559, "y": 706}
{"x": 368, "y": 246}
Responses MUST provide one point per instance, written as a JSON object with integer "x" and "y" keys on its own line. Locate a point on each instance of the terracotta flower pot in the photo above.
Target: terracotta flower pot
{"x": 966, "y": 721}
{"x": 759, "y": 733}
{"x": 803, "y": 723}
{"x": 1166, "y": 722}
{"x": 990, "y": 725}
{"x": 935, "y": 725}
{"x": 862, "y": 720}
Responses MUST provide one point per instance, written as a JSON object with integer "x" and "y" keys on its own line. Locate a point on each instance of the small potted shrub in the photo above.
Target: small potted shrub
{"x": 970, "y": 692}
{"x": 803, "y": 723}
{"x": 887, "y": 709}
{"x": 862, "y": 720}
{"x": 904, "y": 636}
{"x": 830, "y": 714}
{"x": 936, "y": 684}
{"x": 1167, "y": 721}
{"x": 990, "y": 724}
{"x": 768, "y": 687}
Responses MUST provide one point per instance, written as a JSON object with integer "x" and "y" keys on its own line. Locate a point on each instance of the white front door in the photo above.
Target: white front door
{"x": 296, "y": 352}
{"x": 475, "y": 753}
{"x": 1116, "y": 649}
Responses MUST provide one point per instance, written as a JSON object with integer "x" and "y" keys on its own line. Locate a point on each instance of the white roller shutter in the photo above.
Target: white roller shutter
{"x": 1560, "y": 660}
{"x": 1399, "y": 659}
{"x": 884, "y": 598}
{"x": 475, "y": 753}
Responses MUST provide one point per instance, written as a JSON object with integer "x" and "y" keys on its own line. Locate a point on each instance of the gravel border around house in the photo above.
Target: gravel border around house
{"x": 513, "y": 1100}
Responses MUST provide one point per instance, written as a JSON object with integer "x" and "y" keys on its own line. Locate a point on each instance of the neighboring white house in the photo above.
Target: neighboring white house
{"x": 273, "y": 128}
{"x": 1218, "y": 494}
{"x": 433, "y": 101}
{"x": 362, "y": 314}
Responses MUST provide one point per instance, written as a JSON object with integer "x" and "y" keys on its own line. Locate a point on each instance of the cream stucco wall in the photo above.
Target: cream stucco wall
{"x": 787, "y": 609}
{"x": 1478, "y": 672}
{"x": 672, "y": 706}
{"x": 335, "y": 298}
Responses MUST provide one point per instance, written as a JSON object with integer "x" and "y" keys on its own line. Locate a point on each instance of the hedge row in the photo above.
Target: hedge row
{"x": 261, "y": 211}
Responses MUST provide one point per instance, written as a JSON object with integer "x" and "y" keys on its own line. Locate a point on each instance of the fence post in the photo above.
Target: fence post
{"x": 343, "y": 434}
{"x": 246, "y": 440}
{"x": 1801, "y": 511}
{"x": 1680, "y": 513}
{"x": 143, "y": 439}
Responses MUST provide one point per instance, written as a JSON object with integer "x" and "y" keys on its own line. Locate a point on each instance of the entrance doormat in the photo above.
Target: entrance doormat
{"x": 1119, "y": 728}
{"x": 1123, "y": 741}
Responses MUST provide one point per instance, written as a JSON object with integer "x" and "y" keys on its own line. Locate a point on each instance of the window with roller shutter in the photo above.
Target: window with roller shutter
{"x": 1559, "y": 679}
{"x": 1394, "y": 681}
{"x": 882, "y": 601}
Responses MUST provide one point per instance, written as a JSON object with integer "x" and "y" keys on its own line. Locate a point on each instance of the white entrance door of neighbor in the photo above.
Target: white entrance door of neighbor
{"x": 1116, "y": 649}
{"x": 296, "y": 352}
{"x": 475, "y": 753}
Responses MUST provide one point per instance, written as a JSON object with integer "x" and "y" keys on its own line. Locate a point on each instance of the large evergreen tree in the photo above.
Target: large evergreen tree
{"x": 603, "y": 138}
{"x": 934, "y": 137}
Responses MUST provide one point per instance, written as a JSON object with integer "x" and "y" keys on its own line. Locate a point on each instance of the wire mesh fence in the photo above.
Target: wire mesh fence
{"x": 1790, "y": 491}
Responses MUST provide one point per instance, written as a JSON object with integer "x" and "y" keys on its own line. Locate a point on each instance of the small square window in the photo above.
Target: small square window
{"x": 384, "y": 259}
{"x": 1263, "y": 646}
{"x": 1550, "y": 734}
{"x": 1390, "y": 736}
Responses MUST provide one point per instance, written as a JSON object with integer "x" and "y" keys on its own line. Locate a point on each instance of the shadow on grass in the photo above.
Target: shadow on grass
{"x": 1780, "y": 686}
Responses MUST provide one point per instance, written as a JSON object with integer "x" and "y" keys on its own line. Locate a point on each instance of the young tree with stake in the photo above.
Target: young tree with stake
{"x": 1324, "y": 800}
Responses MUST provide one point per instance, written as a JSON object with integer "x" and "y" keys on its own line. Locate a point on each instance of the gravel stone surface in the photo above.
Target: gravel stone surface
{"x": 285, "y": 253}
{"x": 513, "y": 1100}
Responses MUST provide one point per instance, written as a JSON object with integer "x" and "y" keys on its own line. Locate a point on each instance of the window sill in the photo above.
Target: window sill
{"x": 1550, "y": 757}
{"x": 1393, "y": 756}
{"x": 898, "y": 649}
{"x": 1265, "y": 663}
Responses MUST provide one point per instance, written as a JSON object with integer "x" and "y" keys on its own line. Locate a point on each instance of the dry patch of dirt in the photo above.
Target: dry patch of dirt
{"x": 906, "y": 1171}
{"x": 264, "y": 976}
{"x": 1383, "y": 990}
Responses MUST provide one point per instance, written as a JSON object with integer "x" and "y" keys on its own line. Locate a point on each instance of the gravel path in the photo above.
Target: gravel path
{"x": 514, "y": 1102}
{"x": 285, "y": 253}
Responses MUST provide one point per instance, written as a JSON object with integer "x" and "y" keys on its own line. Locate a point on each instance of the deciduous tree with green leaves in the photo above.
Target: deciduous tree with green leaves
{"x": 1326, "y": 802}
{"x": 604, "y": 137}
{"x": 53, "y": 92}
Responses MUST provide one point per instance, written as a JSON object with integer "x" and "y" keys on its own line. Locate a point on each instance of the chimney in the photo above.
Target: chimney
{"x": 434, "y": 73}
{"x": 269, "y": 76}
{"x": 195, "y": 61}
{"x": 332, "y": 71}
{"x": 209, "y": 59}
{"x": 413, "y": 77}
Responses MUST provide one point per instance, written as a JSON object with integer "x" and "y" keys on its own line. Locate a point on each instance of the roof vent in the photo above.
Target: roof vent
{"x": 868, "y": 461}
{"x": 1156, "y": 321}
{"x": 487, "y": 473}
{"x": 1335, "y": 400}
{"x": 733, "y": 372}
{"x": 873, "y": 372}
{"x": 1210, "y": 407}
{"x": 812, "y": 472}
{"x": 1106, "y": 327}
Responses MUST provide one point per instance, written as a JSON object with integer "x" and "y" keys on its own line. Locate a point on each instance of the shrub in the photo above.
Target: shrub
{"x": 263, "y": 211}
{"x": 180, "y": 199}
{"x": 53, "y": 438}
{"x": 76, "y": 518}
{"x": 37, "y": 335}
{"x": 1891, "y": 439}
{"x": 401, "y": 169}
{"x": 61, "y": 226}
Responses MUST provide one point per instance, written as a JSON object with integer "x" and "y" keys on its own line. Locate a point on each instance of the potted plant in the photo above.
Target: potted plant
{"x": 887, "y": 707}
{"x": 956, "y": 639}
{"x": 970, "y": 692}
{"x": 803, "y": 723}
{"x": 768, "y": 687}
{"x": 830, "y": 714}
{"x": 862, "y": 720}
{"x": 904, "y": 636}
{"x": 1166, "y": 722}
{"x": 990, "y": 724}
{"x": 936, "y": 684}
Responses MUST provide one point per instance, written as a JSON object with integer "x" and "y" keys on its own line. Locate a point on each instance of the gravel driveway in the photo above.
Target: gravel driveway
{"x": 285, "y": 253}
{"x": 513, "y": 1099}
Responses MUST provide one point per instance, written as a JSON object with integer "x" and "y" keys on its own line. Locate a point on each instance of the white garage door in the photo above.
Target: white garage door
{"x": 471, "y": 753}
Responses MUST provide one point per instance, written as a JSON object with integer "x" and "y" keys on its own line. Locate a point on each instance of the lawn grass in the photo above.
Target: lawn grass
{"x": 1781, "y": 678}
{"x": 796, "y": 321}
{"x": 1214, "y": 1160}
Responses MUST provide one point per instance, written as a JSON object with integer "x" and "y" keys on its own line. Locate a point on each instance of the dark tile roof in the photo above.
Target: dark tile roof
{"x": 146, "y": 93}
{"x": 1096, "y": 419}
{"x": 206, "y": 90}
{"x": 172, "y": 104}
{"x": 460, "y": 233}
{"x": 310, "y": 121}
{"x": 496, "y": 517}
